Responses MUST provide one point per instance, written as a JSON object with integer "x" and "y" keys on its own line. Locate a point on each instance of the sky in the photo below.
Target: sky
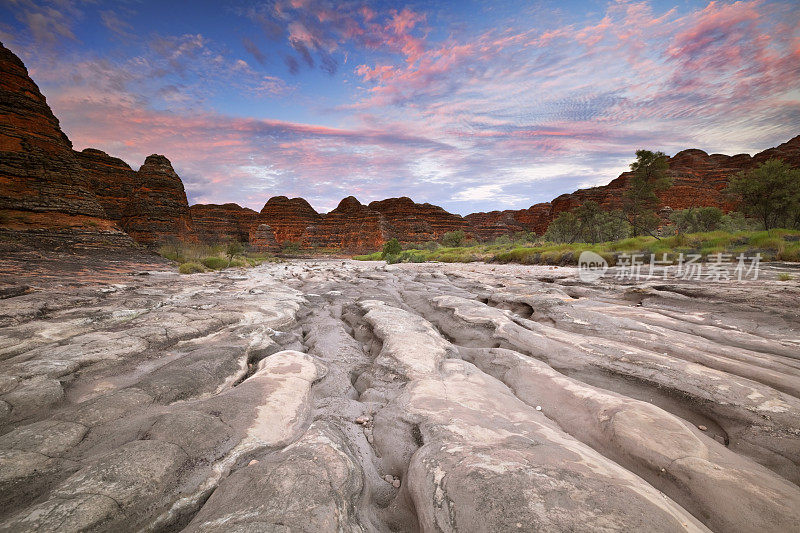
{"x": 471, "y": 105}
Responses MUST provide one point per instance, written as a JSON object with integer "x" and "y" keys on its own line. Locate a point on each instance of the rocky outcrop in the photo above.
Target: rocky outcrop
{"x": 149, "y": 204}
{"x": 288, "y": 218}
{"x": 113, "y": 182}
{"x": 51, "y": 194}
{"x": 45, "y": 196}
{"x": 160, "y": 211}
{"x": 351, "y": 226}
{"x": 410, "y": 222}
{"x": 263, "y": 239}
{"x": 488, "y": 226}
{"x": 215, "y": 223}
{"x": 312, "y": 396}
{"x": 38, "y": 170}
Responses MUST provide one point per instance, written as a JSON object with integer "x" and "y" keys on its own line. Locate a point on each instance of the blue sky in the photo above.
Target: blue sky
{"x": 469, "y": 105}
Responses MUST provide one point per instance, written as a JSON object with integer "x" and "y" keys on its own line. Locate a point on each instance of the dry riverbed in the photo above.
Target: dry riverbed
{"x": 354, "y": 396}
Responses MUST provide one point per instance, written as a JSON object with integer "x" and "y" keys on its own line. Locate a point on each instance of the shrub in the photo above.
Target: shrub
{"x": 233, "y": 249}
{"x": 376, "y": 256}
{"x": 524, "y": 236}
{"x": 736, "y": 221}
{"x": 503, "y": 239}
{"x": 290, "y": 248}
{"x": 191, "y": 268}
{"x": 784, "y": 277}
{"x": 391, "y": 248}
{"x": 409, "y": 256}
{"x": 697, "y": 219}
{"x": 588, "y": 223}
{"x": 215, "y": 263}
{"x": 453, "y": 239}
{"x": 790, "y": 253}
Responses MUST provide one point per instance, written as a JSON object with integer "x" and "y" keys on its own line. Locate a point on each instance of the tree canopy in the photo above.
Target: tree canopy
{"x": 639, "y": 201}
{"x": 769, "y": 192}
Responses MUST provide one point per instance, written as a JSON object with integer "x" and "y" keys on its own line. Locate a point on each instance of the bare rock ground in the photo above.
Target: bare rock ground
{"x": 345, "y": 396}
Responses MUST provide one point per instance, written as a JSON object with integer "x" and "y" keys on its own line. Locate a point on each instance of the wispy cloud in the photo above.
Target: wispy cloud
{"x": 415, "y": 103}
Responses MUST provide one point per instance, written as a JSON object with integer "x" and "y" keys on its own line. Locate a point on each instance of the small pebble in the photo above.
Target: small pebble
{"x": 538, "y": 407}
{"x": 370, "y": 439}
{"x": 663, "y": 470}
{"x": 702, "y": 427}
{"x": 253, "y": 462}
{"x": 396, "y": 483}
{"x": 388, "y": 478}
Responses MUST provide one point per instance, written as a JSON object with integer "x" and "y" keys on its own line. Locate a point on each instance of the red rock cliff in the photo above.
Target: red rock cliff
{"x": 351, "y": 226}
{"x": 288, "y": 219}
{"x": 411, "y": 222}
{"x": 38, "y": 170}
{"x": 160, "y": 211}
{"x": 214, "y": 223}
{"x": 46, "y": 200}
{"x": 112, "y": 181}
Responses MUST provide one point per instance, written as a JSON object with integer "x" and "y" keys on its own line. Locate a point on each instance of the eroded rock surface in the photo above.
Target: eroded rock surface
{"x": 346, "y": 396}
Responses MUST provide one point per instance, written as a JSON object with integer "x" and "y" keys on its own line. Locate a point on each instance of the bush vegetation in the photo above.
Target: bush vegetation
{"x": 769, "y": 193}
{"x": 776, "y": 244}
{"x": 191, "y": 268}
{"x": 213, "y": 257}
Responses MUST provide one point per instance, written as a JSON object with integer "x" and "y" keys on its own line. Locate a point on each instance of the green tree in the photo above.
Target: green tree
{"x": 697, "y": 219}
{"x": 524, "y": 236}
{"x": 453, "y": 239}
{"x": 639, "y": 201}
{"x": 391, "y": 248}
{"x": 588, "y": 223}
{"x": 769, "y": 192}
{"x": 233, "y": 249}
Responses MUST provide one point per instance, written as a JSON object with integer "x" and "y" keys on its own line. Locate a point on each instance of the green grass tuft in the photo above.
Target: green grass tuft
{"x": 191, "y": 268}
{"x": 215, "y": 263}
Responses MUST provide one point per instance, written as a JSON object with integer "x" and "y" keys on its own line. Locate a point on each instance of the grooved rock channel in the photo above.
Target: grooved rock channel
{"x": 347, "y": 396}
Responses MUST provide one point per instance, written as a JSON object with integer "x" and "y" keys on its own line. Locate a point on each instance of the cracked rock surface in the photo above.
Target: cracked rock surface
{"x": 355, "y": 396}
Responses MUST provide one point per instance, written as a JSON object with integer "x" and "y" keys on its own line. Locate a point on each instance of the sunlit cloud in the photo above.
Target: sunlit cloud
{"x": 323, "y": 100}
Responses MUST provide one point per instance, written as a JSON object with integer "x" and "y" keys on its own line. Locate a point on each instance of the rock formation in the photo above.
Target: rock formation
{"x": 39, "y": 171}
{"x": 412, "y": 222}
{"x": 54, "y": 194}
{"x": 263, "y": 239}
{"x": 149, "y": 204}
{"x": 288, "y": 219}
{"x": 222, "y": 223}
{"x": 112, "y": 181}
{"x": 45, "y": 195}
{"x": 313, "y": 396}
{"x": 355, "y": 227}
{"x": 351, "y": 226}
{"x": 160, "y": 211}
{"x": 488, "y": 226}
